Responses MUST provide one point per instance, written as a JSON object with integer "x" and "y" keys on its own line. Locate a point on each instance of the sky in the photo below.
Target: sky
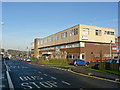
{"x": 25, "y": 21}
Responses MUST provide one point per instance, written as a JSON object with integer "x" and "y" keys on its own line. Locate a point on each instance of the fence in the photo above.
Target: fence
{"x": 105, "y": 66}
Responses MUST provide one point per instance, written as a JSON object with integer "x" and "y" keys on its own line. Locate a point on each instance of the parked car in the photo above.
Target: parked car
{"x": 112, "y": 61}
{"x": 77, "y": 62}
{"x": 28, "y": 60}
{"x": 6, "y": 58}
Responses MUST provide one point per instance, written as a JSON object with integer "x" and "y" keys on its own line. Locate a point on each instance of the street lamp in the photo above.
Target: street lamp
{"x": 110, "y": 49}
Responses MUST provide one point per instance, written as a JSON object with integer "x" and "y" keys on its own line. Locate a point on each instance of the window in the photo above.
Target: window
{"x": 57, "y": 37}
{"x": 114, "y": 48}
{"x": 41, "y": 41}
{"x": 46, "y": 40}
{"x": 51, "y": 39}
{"x": 85, "y": 31}
{"x": 64, "y": 35}
{"x": 116, "y": 40}
{"x": 74, "y": 32}
{"x": 109, "y": 33}
{"x": 83, "y": 56}
{"x": 114, "y": 44}
{"x": 98, "y": 32}
{"x": 38, "y": 42}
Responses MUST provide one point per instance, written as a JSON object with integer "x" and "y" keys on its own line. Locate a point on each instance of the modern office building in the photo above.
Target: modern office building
{"x": 81, "y": 41}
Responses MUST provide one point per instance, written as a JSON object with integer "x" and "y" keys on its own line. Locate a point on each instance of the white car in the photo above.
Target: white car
{"x": 28, "y": 60}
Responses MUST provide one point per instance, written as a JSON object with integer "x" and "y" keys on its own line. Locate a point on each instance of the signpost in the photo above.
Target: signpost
{"x": 1, "y": 56}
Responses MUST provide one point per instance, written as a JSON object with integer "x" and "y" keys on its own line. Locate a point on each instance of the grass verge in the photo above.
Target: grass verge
{"x": 54, "y": 62}
{"x": 106, "y": 71}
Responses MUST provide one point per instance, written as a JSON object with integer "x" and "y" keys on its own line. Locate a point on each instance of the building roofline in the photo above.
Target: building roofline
{"x": 72, "y": 27}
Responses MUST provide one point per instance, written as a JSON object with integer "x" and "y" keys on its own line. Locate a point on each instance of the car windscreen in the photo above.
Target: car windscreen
{"x": 114, "y": 61}
{"x": 108, "y": 60}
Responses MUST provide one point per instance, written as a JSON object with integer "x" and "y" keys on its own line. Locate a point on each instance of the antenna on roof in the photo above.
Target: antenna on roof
{"x": 95, "y": 21}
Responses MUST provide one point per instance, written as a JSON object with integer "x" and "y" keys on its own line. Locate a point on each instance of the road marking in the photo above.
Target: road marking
{"x": 45, "y": 74}
{"x": 32, "y": 77}
{"x": 93, "y": 76}
{"x": 66, "y": 82}
{"x": 39, "y": 72}
{"x": 28, "y": 77}
{"x": 2, "y": 86}
{"x": 53, "y": 78}
{"x": 53, "y": 83}
{"x": 46, "y": 84}
{"x": 9, "y": 78}
{"x": 35, "y": 84}
{"x": 21, "y": 78}
{"x": 81, "y": 89}
{"x": 25, "y": 78}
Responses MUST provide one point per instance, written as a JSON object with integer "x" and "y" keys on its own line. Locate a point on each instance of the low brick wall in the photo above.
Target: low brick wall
{"x": 104, "y": 66}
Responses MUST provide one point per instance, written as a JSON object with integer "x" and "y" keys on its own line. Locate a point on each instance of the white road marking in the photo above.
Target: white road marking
{"x": 52, "y": 83}
{"x": 41, "y": 78}
{"x": 2, "y": 86}
{"x": 35, "y": 84}
{"x": 28, "y": 77}
{"x": 9, "y": 78}
{"x": 66, "y": 82}
{"x": 53, "y": 78}
{"x": 25, "y": 78}
{"x": 46, "y": 84}
{"x": 32, "y": 77}
{"x": 45, "y": 74}
{"x": 39, "y": 72}
{"x": 21, "y": 78}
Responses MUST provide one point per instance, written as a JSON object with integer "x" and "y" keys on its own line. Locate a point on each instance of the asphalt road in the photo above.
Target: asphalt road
{"x": 26, "y": 76}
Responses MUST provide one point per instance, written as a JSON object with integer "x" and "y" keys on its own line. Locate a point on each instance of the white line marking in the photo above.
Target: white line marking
{"x": 52, "y": 83}
{"x": 21, "y": 78}
{"x": 53, "y": 78}
{"x": 2, "y": 86}
{"x": 25, "y": 78}
{"x": 45, "y": 74}
{"x": 9, "y": 78}
{"x": 28, "y": 77}
{"x": 66, "y": 82}
{"x": 39, "y": 72}
{"x": 32, "y": 77}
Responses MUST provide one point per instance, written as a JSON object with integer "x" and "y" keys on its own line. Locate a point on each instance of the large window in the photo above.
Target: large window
{"x": 114, "y": 48}
{"x": 41, "y": 41}
{"x": 74, "y": 32}
{"x": 64, "y": 35}
{"x": 57, "y": 37}
{"x": 85, "y": 31}
{"x": 46, "y": 40}
{"x": 108, "y": 33}
{"x": 98, "y": 32}
{"x": 51, "y": 39}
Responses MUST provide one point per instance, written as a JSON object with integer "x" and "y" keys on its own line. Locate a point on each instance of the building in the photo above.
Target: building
{"x": 116, "y": 48}
{"x": 81, "y": 41}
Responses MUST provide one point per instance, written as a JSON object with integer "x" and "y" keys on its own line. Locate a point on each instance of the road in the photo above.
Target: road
{"x": 26, "y": 76}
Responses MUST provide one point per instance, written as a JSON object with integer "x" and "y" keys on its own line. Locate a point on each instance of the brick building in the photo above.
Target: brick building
{"x": 116, "y": 48}
{"x": 81, "y": 41}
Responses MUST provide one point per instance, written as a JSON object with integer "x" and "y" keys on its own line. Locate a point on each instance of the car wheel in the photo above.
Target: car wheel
{"x": 86, "y": 65}
{"x": 76, "y": 64}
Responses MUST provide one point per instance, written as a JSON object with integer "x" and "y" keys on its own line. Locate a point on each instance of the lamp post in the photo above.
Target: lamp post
{"x": 110, "y": 49}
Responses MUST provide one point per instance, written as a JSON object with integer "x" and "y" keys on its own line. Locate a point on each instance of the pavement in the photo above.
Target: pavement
{"x": 84, "y": 70}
